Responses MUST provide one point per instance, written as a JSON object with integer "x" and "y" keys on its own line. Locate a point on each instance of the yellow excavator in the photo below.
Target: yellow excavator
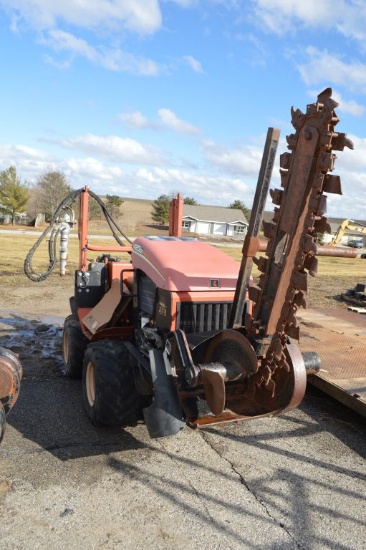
{"x": 348, "y": 225}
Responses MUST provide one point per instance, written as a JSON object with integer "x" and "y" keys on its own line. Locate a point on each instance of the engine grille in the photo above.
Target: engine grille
{"x": 203, "y": 316}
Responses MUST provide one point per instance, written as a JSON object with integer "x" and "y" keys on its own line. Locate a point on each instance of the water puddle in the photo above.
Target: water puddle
{"x": 37, "y": 341}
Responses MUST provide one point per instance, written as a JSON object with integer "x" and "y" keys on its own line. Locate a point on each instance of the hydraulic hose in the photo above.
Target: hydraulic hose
{"x": 55, "y": 231}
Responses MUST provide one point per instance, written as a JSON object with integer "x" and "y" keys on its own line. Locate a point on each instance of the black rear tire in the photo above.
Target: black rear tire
{"x": 109, "y": 392}
{"x": 74, "y": 344}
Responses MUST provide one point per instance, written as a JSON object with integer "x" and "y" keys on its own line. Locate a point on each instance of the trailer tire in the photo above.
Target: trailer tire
{"x": 74, "y": 344}
{"x": 109, "y": 392}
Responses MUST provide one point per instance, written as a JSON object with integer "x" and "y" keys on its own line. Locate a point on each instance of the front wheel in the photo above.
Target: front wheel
{"x": 109, "y": 392}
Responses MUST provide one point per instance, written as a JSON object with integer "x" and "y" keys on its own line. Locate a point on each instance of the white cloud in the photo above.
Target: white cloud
{"x": 353, "y": 161}
{"x": 352, "y": 22}
{"x": 347, "y": 17}
{"x": 61, "y": 40}
{"x": 280, "y": 16}
{"x": 170, "y": 120}
{"x": 29, "y": 161}
{"x": 350, "y": 165}
{"x": 122, "y": 150}
{"x": 243, "y": 160}
{"x": 134, "y": 119}
{"x": 112, "y": 59}
{"x": 167, "y": 120}
{"x": 321, "y": 66}
{"x": 107, "y": 166}
{"x": 118, "y": 60}
{"x": 141, "y": 16}
{"x": 61, "y": 65}
{"x": 91, "y": 169}
{"x": 351, "y": 107}
{"x": 206, "y": 188}
{"x": 195, "y": 65}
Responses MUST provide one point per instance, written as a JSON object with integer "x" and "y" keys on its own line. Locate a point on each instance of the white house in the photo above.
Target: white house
{"x": 214, "y": 220}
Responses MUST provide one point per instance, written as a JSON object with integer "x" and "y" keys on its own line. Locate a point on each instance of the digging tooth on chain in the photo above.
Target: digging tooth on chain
{"x": 321, "y": 225}
{"x": 284, "y": 178}
{"x": 285, "y": 160}
{"x": 318, "y": 203}
{"x": 291, "y": 141}
{"x": 340, "y": 141}
{"x": 269, "y": 229}
{"x": 300, "y": 299}
{"x": 299, "y": 281}
{"x": 292, "y": 234}
{"x": 297, "y": 118}
{"x": 308, "y": 244}
{"x": 332, "y": 184}
{"x": 311, "y": 264}
{"x": 276, "y": 195}
{"x": 261, "y": 263}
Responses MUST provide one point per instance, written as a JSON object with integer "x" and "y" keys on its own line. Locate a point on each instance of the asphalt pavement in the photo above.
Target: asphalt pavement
{"x": 291, "y": 482}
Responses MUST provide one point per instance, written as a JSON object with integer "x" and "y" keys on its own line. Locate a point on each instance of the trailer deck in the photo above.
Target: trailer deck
{"x": 339, "y": 337}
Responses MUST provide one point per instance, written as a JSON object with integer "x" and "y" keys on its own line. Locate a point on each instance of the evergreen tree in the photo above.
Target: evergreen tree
{"x": 189, "y": 200}
{"x": 95, "y": 212}
{"x": 160, "y": 211}
{"x": 13, "y": 193}
{"x": 113, "y": 203}
{"x": 239, "y": 205}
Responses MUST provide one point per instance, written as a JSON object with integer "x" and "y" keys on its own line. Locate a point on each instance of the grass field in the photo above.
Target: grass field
{"x": 335, "y": 275}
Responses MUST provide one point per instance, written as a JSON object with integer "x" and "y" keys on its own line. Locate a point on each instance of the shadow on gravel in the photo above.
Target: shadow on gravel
{"x": 294, "y": 483}
{"x": 290, "y": 482}
{"x": 49, "y": 410}
{"x": 331, "y": 416}
{"x": 50, "y": 413}
{"x": 325, "y": 415}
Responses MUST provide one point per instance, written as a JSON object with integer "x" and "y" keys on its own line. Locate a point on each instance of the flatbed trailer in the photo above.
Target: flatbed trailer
{"x": 339, "y": 338}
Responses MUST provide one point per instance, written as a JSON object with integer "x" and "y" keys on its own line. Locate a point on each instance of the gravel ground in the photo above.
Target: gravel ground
{"x": 292, "y": 482}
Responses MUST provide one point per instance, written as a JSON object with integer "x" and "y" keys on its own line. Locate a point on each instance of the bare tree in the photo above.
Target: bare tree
{"x": 51, "y": 188}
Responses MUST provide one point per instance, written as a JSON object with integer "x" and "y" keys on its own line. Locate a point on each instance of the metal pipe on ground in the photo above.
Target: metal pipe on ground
{"x": 322, "y": 250}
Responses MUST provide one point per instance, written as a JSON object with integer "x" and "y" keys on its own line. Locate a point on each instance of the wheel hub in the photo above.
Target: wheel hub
{"x": 90, "y": 383}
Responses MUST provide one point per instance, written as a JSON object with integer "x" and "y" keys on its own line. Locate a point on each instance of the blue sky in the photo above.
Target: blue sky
{"x": 144, "y": 97}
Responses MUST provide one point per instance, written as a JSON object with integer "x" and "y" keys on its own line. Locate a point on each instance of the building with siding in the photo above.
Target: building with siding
{"x": 214, "y": 220}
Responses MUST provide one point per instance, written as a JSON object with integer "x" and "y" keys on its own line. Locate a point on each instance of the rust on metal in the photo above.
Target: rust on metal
{"x": 175, "y": 216}
{"x": 277, "y": 382}
{"x": 251, "y": 246}
{"x": 10, "y": 376}
{"x": 291, "y": 250}
{"x": 255, "y": 223}
{"x": 320, "y": 250}
{"x": 338, "y": 251}
{"x": 339, "y": 336}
